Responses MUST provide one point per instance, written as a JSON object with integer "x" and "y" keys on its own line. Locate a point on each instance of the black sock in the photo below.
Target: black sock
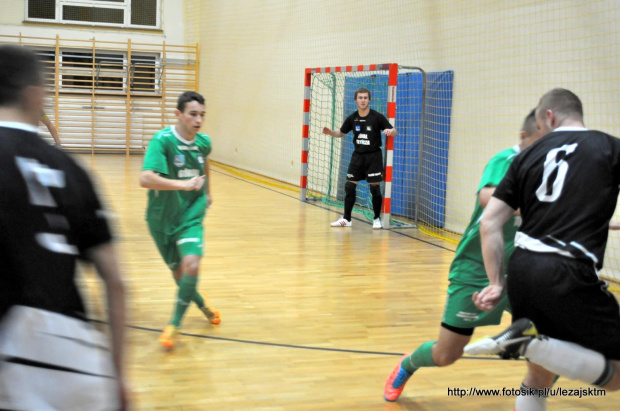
{"x": 349, "y": 199}
{"x": 375, "y": 190}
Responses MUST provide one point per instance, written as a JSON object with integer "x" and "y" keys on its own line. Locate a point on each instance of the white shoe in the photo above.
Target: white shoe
{"x": 376, "y": 224}
{"x": 511, "y": 343}
{"x": 341, "y": 222}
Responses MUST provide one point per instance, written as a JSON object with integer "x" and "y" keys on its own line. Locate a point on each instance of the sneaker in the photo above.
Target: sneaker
{"x": 341, "y": 222}
{"x": 213, "y": 316}
{"x": 376, "y": 224}
{"x": 168, "y": 337}
{"x": 509, "y": 344}
{"x": 396, "y": 382}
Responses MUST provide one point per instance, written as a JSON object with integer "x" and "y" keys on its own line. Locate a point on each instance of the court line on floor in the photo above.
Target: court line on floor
{"x": 300, "y": 347}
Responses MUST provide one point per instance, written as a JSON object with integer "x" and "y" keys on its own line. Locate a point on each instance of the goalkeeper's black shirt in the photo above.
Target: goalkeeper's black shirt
{"x": 366, "y": 130}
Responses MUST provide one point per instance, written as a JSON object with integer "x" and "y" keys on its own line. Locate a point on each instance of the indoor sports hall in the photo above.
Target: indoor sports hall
{"x": 313, "y": 317}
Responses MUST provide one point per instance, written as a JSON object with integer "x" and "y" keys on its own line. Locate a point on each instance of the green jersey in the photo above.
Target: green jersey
{"x": 173, "y": 157}
{"x": 468, "y": 265}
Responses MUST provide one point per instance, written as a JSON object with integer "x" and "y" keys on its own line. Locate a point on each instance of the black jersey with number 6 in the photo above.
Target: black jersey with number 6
{"x": 566, "y": 186}
{"x": 49, "y": 216}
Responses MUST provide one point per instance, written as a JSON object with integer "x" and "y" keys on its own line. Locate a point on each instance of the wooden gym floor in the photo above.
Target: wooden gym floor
{"x": 313, "y": 317}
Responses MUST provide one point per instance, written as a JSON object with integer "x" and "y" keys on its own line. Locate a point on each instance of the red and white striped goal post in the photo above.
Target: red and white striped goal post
{"x": 392, "y": 69}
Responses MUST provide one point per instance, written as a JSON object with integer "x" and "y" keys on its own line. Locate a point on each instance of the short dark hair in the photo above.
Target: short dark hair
{"x": 19, "y": 68}
{"x": 362, "y": 90}
{"x": 187, "y": 97}
{"x": 529, "y": 124}
{"x": 562, "y": 102}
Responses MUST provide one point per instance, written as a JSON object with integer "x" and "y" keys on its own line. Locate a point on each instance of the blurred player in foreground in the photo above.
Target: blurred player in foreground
{"x": 51, "y": 357}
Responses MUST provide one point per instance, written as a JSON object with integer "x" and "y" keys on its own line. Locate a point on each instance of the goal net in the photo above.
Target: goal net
{"x": 417, "y": 103}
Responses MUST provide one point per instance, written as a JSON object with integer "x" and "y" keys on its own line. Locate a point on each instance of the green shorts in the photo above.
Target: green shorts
{"x": 460, "y": 311}
{"x": 173, "y": 247}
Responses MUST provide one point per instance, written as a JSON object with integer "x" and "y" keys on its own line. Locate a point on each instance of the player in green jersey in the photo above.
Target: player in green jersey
{"x": 176, "y": 172}
{"x": 467, "y": 275}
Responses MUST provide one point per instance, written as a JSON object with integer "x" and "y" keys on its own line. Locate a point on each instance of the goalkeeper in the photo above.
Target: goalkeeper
{"x": 367, "y": 161}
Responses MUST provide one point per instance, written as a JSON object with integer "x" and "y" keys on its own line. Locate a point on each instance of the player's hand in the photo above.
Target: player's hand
{"x": 327, "y": 131}
{"x": 614, "y": 225}
{"x": 195, "y": 183}
{"x": 488, "y": 298}
{"x": 388, "y": 131}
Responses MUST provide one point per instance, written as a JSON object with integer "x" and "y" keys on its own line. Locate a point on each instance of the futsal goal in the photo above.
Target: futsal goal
{"x": 417, "y": 103}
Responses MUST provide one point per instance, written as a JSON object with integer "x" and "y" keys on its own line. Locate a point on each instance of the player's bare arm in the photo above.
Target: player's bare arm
{"x": 208, "y": 182}
{"x": 485, "y": 194}
{"x": 152, "y": 180}
{"x": 390, "y": 132}
{"x": 106, "y": 263}
{"x": 333, "y": 133}
{"x": 495, "y": 215}
{"x": 52, "y": 129}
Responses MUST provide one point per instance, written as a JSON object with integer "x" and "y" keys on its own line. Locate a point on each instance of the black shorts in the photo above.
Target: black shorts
{"x": 565, "y": 299}
{"x": 366, "y": 166}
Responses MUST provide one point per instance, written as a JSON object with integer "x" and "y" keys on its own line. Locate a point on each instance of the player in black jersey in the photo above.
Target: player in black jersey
{"x": 367, "y": 161}
{"x": 566, "y": 187}
{"x": 50, "y": 356}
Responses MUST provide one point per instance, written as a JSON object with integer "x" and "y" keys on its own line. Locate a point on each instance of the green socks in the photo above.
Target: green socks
{"x": 422, "y": 357}
{"x": 187, "y": 289}
{"x": 197, "y": 298}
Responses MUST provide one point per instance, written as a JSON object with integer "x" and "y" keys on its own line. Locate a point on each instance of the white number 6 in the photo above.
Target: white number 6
{"x": 554, "y": 174}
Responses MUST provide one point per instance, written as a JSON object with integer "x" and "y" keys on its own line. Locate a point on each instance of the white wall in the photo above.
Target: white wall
{"x": 12, "y": 22}
{"x": 505, "y": 55}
